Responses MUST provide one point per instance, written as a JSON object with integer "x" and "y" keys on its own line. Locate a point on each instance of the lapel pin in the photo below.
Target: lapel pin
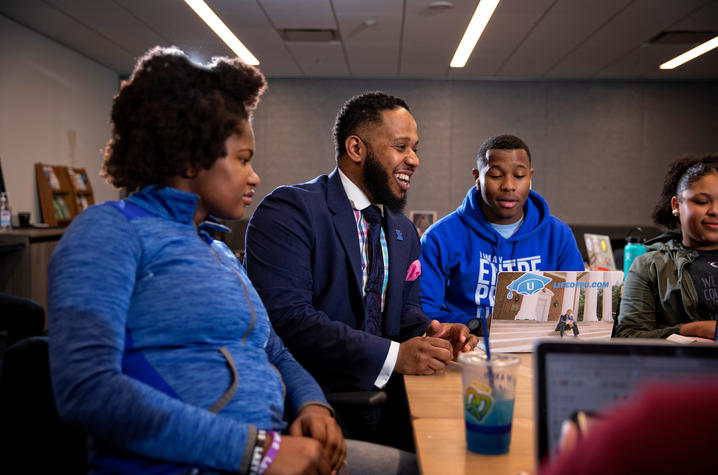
{"x": 398, "y": 235}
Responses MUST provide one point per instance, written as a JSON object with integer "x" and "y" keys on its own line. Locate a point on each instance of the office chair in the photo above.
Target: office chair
{"x": 380, "y": 417}
{"x": 351, "y": 409}
{"x": 618, "y": 312}
{"x": 34, "y": 438}
{"x": 357, "y": 399}
{"x": 20, "y": 318}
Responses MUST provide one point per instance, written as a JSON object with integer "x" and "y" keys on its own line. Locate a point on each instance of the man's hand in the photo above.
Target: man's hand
{"x": 456, "y": 333}
{"x": 704, "y": 329}
{"x": 423, "y": 355}
{"x": 317, "y": 422}
{"x": 299, "y": 455}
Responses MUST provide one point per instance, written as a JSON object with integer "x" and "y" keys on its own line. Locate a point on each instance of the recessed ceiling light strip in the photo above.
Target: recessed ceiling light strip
{"x": 691, "y": 54}
{"x": 478, "y": 22}
{"x": 225, "y": 34}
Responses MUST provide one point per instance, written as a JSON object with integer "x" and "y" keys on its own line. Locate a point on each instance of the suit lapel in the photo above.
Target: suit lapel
{"x": 345, "y": 224}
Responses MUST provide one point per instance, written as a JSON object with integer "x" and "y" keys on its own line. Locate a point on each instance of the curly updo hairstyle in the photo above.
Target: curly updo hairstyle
{"x": 174, "y": 115}
{"x": 682, "y": 173}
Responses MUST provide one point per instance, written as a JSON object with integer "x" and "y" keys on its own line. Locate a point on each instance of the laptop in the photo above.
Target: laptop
{"x": 528, "y": 305}
{"x": 577, "y": 375}
{"x": 599, "y": 251}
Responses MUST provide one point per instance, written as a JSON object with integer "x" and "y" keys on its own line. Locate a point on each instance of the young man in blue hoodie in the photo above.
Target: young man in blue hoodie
{"x": 501, "y": 226}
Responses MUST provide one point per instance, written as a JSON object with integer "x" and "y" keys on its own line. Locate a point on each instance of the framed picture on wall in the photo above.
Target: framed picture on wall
{"x": 422, "y": 220}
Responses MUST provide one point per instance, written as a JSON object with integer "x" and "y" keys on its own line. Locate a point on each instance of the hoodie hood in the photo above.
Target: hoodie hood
{"x": 536, "y": 215}
{"x": 462, "y": 254}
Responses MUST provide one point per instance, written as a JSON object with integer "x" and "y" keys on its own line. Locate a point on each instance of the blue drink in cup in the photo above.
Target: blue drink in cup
{"x": 489, "y": 390}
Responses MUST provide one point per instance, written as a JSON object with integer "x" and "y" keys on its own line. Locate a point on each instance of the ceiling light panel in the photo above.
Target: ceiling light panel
{"x": 424, "y": 46}
{"x": 642, "y": 63}
{"x": 220, "y": 28}
{"x": 257, "y": 33}
{"x": 481, "y": 17}
{"x": 691, "y": 54}
{"x": 185, "y": 30}
{"x": 501, "y": 37}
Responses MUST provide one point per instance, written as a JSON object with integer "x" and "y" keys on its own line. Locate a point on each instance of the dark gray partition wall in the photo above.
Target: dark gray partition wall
{"x": 599, "y": 148}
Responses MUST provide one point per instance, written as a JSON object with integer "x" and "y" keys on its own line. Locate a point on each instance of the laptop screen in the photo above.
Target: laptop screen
{"x": 573, "y": 376}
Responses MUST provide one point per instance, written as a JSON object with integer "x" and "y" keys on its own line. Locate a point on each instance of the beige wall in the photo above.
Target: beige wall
{"x": 54, "y": 108}
{"x": 599, "y": 148}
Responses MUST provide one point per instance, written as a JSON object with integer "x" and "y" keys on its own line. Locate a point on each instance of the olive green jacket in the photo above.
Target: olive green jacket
{"x": 658, "y": 293}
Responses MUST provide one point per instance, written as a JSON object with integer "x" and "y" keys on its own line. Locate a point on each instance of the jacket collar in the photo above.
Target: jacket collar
{"x": 166, "y": 202}
{"x": 671, "y": 242}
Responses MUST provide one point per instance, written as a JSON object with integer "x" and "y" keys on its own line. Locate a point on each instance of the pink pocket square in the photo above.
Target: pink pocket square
{"x": 414, "y": 271}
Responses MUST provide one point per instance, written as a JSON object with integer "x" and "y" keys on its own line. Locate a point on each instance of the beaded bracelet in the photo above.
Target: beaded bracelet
{"x": 271, "y": 452}
{"x": 257, "y": 452}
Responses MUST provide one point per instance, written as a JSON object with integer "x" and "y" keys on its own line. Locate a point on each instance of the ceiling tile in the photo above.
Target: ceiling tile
{"x": 373, "y": 59}
{"x": 703, "y": 18}
{"x": 300, "y": 13}
{"x": 320, "y": 59}
{"x": 634, "y": 26}
{"x": 57, "y": 24}
{"x": 526, "y": 39}
{"x": 430, "y": 39}
{"x": 562, "y": 29}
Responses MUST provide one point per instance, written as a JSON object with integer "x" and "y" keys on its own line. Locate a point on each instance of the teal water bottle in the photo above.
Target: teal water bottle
{"x": 634, "y": 248}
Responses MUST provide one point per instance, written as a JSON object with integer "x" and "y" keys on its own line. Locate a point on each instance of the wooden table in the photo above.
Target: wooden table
{"x": 436, "y": 407}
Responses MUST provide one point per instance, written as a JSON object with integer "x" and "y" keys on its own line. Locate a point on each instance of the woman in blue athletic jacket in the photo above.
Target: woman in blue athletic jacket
{"x": 160, "y": 348}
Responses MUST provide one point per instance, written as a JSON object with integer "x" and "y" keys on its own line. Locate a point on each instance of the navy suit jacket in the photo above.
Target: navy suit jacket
{"x": 303, "y": 257}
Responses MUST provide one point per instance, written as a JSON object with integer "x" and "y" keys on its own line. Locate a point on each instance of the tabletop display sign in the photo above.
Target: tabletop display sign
{"x": 534, "y": 304}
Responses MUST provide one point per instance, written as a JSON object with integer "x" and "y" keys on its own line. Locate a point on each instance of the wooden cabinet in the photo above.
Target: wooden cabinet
{"x": 64, "y": 192}
{"x": 24, "y": 256}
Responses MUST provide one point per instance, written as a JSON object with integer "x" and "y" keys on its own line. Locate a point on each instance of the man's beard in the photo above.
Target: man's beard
{"x": 376, "y": 181}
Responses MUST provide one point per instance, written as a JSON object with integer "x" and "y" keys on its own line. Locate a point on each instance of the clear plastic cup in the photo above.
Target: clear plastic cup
{"x": 489, "y": 390}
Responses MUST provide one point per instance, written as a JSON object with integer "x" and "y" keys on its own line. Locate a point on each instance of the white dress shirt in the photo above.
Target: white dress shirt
{"x": 359, "y": 201}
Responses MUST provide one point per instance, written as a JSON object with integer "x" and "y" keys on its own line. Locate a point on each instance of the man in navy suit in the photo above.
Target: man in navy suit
{"x": 308, "y": 253}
